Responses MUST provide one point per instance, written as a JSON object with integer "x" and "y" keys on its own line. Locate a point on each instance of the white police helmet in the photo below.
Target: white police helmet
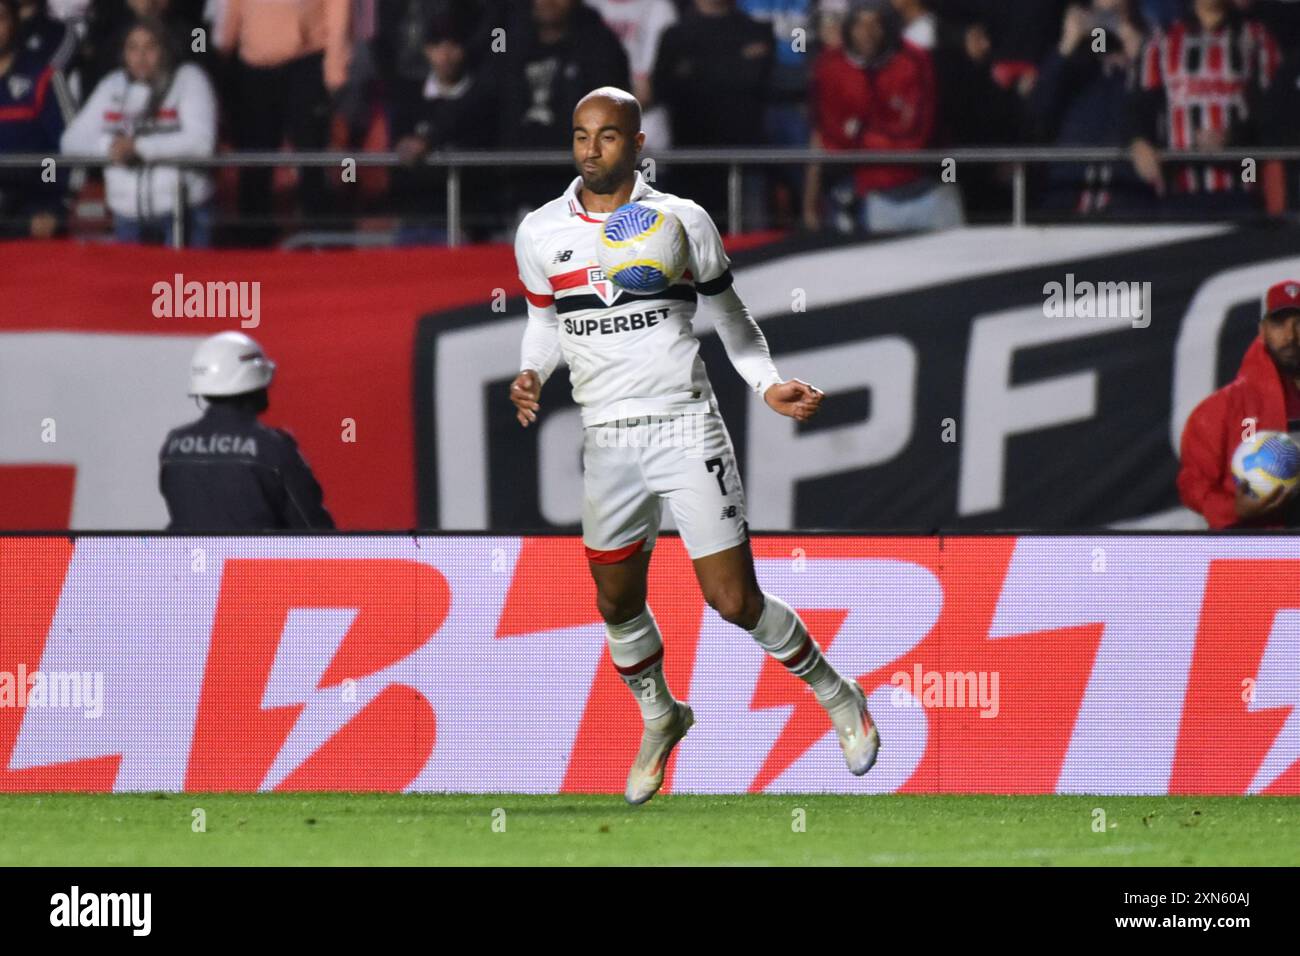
{"x": 229, "y": 363}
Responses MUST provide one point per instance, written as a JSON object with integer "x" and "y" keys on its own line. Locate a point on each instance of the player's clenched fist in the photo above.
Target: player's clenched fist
{"x": 525, "y": 391}
{"x": 795, "y": 398}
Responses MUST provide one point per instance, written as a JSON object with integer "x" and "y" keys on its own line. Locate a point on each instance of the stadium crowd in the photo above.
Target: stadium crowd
{"x": 141, "y": 81}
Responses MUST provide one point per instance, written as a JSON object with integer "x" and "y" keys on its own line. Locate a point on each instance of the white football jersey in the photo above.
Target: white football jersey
{"x": 629, "y": 354}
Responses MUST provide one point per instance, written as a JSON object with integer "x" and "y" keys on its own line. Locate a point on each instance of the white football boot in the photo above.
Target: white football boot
{"x": 657, "y": 742}
{"x": 859, "y": 738}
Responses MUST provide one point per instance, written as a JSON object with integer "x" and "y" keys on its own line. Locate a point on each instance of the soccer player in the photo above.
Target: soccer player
{"x": 652, "y": 430}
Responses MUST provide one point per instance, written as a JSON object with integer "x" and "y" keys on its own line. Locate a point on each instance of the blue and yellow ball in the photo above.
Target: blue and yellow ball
{"x": 1265, "y": 461}
{"x": 642, "y": 249}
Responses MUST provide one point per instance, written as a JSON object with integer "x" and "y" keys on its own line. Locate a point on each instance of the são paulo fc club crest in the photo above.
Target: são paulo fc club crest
{"x": 605, "y": 289}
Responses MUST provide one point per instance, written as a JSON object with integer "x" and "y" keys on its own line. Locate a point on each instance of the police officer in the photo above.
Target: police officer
{"x": 227, "y": 471}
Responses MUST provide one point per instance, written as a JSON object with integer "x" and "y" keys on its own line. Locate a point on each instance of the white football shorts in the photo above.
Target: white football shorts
{"x": 631, "y": 464}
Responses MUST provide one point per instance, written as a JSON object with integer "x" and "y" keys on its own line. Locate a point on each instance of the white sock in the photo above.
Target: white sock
{"x": 637, "y": 650}
{"x": 782, "y": 633}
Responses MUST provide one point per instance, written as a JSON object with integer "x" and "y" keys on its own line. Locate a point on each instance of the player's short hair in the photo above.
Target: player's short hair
{"x": 629, "y": 108}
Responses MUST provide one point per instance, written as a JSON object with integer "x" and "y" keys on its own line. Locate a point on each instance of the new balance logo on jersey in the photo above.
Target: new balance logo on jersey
{"x": 728, "y": 512}
{"x": 562, "y": 256}
{"x": 616, "y": 323}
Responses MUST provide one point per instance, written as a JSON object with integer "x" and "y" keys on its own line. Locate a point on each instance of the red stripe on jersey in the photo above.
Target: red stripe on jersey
{"x": 1174, "y": 67}
{"x": 42, "y": 85}
{"x": 1178, "y": 120}
{"x": 1214, "y": 57}
{"x": 577, "y": 209}
{"x": 1216, "y": 117}
{"x": 541, "y": 301}
{"x": 596, "y": 556}
{"x": 578, "y": 278}
{"x": 32, "y": 110}
{"x": 1151, "y": 66}
{"x": 570, "y": 280}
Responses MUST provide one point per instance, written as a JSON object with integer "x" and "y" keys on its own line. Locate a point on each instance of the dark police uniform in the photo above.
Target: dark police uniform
{"x": 229, "y": 472}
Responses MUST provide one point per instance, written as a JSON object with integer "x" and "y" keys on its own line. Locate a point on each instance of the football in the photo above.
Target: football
{"x": 1264, "y": 462}
{"x": 642, "y": 249}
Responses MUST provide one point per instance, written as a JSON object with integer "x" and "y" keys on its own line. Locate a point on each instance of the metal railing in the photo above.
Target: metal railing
{"x": 735, "y": 160}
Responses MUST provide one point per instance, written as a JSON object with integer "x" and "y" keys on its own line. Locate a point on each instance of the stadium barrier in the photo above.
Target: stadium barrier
{"x": 958, "y": 396}
{"x": 1120, "y": 664}
{"x": 943, "y": 162}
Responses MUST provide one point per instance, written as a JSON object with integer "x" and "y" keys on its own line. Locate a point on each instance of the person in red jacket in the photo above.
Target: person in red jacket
{"x": 878, "y": 93}
{"x": 839, "y": 100}
{"x": 1265, "y": 396}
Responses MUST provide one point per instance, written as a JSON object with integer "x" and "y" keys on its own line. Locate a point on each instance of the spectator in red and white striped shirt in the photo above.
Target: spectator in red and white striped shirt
{"x": 1197, "y": 86}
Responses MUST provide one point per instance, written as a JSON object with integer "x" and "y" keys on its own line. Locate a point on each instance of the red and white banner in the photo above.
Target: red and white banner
{"x": 95, "y": 347}
{"x": 1111, "y": 665}
{"x": 956, "y": 392}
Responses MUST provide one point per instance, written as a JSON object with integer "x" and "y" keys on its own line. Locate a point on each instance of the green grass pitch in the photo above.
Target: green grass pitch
{"x": 322, "y": 829}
